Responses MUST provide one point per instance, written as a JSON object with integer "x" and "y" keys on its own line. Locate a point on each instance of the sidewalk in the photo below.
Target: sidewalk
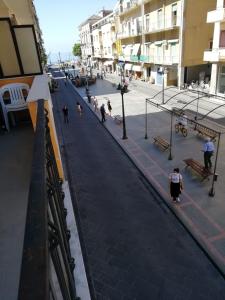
{"x": 201, "y": 214}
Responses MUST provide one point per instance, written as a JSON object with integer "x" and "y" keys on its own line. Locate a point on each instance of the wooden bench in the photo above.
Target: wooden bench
{"x": 206, "y": 132}
{"x": 161, "y": 143}
{"x": 198, "y": 168}
{"x": 118, "y": 119}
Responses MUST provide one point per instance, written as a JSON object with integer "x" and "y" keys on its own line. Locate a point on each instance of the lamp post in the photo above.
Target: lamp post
{"x": 164, "y": 71}
{"x": 171, "y": 136}
{"x": 123, "y": 111}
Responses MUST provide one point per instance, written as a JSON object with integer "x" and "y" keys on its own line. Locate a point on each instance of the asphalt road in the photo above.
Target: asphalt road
{"x": 134, "y": 248}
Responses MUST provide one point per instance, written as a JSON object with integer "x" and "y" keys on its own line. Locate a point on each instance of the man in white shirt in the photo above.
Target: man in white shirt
{"x": 182, "y": 120}
{"x": 208, "y": 150}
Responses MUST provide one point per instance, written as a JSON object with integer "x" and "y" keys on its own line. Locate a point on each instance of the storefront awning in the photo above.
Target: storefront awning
{"x": 173, "y": 41}
{"x": 128, "y": 66}
{"x": 158, "y": 43}
{"x": 127, "y": 50}
{"x": 108, "y": 62}
{"x": 137, "y": 68}
{"x": 136, "y": 48}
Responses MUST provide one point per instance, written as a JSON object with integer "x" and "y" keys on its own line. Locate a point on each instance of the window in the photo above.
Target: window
{"x": 147, "y": 23}
{"x": 222, "y": 39}
{"x": 159, "y": 53}
{"x": 174, "y": 14}
{"x": 160, "y": 18}
{"x": 173, "y": 52}
{"x": 109, "y": 50}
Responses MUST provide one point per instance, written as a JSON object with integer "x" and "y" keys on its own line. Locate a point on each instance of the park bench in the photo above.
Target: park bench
{"x": 161, "y": 143}
{"x": 198, "y": 168}
{"x": 118, "y": 119}
{"x": 206, "y": 132}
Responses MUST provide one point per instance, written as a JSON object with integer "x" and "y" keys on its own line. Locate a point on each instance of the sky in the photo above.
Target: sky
{"x": 59, "y": 21}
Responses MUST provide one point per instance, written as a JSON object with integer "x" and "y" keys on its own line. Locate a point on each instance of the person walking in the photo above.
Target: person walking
{"x": 109, "y": 107}
{"x": 176, "y": 184}
{"x": 102, "y": 110}
{"x": 95, "y": 102}
{"x": 208, "y": 150}
{"x": 79, "y": 108}
{"x": 65, "y": 114}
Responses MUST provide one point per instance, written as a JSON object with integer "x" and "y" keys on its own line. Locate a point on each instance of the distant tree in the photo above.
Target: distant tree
{"x": 76, "y": 49}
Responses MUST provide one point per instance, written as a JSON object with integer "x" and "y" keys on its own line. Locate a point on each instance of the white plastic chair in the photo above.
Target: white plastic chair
{"x": 17, "y": 99}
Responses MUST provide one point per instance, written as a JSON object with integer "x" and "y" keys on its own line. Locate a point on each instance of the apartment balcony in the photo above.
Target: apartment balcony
{"x": 214, "y": 55}
{"x": 131, "y": 6}
{"x": 132, "y": 33}
{"x": 34, "y": 235}
{"x": 170, "y": 60}
{"x": 98, "y": 54}
{"x": 217, "y": 15}
{"x": 162, "y": 25}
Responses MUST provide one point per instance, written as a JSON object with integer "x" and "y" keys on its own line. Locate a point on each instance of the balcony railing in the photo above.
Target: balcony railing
{"x": 47, "y": 265}
{"x": 217, "y": 15}
{"x": 130, "y": 5}
{"x": 214, "y": 55}
{"x": 162, "y": 24}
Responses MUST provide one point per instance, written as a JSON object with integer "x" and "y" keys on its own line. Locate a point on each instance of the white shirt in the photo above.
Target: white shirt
{"x": 183, "y": 120}
{"x": 175, "y": 177}
{"x": 209, "y": 147}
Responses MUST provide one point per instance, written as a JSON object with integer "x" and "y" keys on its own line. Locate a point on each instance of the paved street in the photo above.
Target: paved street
{"x": 201, "y": 214}
{"x": 134, "y": 247}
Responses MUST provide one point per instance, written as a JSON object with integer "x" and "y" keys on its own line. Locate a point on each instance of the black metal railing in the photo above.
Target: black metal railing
{"x": 47, "y": 264}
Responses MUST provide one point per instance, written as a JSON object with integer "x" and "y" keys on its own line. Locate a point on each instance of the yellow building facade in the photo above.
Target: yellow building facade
{"x": 158, "y": 37}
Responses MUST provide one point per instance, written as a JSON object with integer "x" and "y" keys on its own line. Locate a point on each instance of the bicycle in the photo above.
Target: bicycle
{"x": 181, "y": 128}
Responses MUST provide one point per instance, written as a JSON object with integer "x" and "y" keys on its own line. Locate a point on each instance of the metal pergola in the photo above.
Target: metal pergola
{"x": 194, "y": 122}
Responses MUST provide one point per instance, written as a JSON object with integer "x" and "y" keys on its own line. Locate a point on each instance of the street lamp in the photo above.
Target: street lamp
{"x": 163, "y": 72}
{"x": 122, "y": 90}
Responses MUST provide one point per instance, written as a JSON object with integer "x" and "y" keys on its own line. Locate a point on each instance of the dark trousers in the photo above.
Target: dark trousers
{"x": 103, "y": 117}
{"x": 207, "y": 159}
{"x": 66, "y": 119}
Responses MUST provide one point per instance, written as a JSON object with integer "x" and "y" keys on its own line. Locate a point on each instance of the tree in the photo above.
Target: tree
{"x": 76, "y": 49}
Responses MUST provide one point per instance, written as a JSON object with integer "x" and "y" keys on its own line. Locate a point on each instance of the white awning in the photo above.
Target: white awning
{"x": 158, "y": 42}
{"x": 173, "y": 41}
{"x": 136, "y": 48}
{"x": 127, "y": 50}
{"x": 108, "y": 62}
{"x": 128, "y": 66}
{"x": 136, "y": 68}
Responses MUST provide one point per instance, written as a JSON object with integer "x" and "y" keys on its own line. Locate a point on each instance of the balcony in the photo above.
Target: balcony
{"x": 98, "y": 54}
{"x": 162, "y": 25}
{"x": 131, "y": 6}
{"x": 214, "y": 55}
{"x": 217, "y": 15}
{"x": 14, "y": 185}
{"x": 46, "y": 251}
{"x": 33, "y": 228}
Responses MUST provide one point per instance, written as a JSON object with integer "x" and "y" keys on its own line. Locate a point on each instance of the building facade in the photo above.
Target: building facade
{"x": 155, "y": 40}
{"x": 104, "y": 38}
{"x": 86, "y": 37}
{"x": 215, "y": 55}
